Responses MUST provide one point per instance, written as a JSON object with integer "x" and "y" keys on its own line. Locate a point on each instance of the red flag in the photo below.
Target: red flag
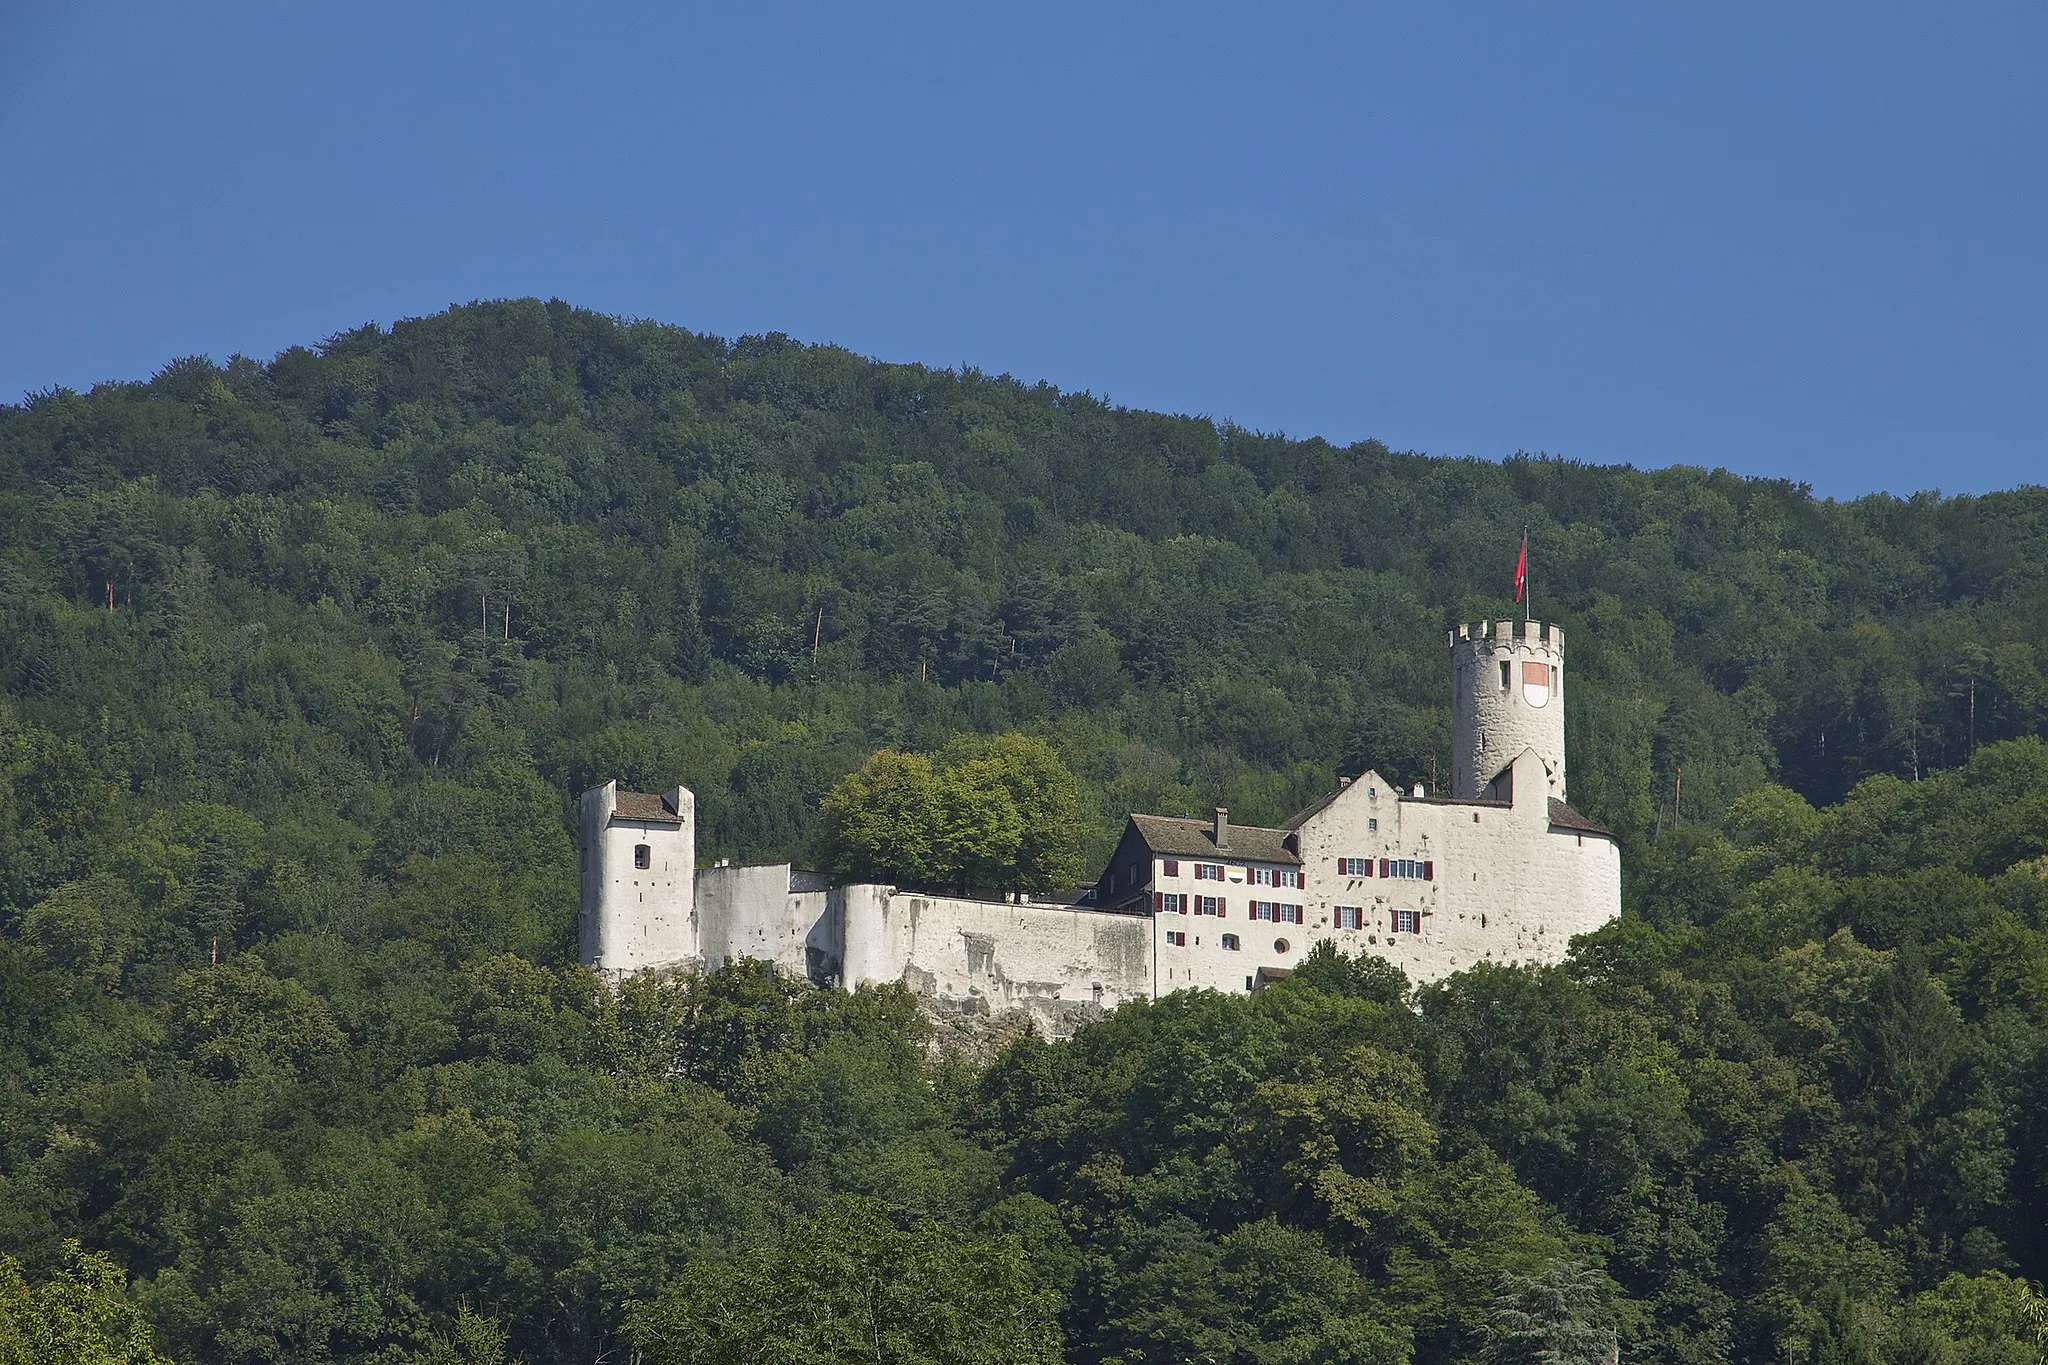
{"x": 1522, "y": 568}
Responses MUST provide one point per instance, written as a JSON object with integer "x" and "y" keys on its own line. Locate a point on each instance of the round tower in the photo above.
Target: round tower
{"x": 1507, "y": 695}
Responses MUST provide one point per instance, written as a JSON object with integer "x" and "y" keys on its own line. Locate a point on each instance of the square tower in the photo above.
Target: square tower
{"x": 639, "y": 873}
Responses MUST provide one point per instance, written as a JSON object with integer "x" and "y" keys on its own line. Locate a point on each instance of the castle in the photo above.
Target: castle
{"x": 1501, "y": 870}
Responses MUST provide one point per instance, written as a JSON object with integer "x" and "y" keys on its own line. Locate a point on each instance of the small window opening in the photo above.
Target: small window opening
{"x": 1280, "y": 945}
{"x": 1503, "y": 675}
{"x": 1230, "y": 943}
{"x": 643, "y": 855}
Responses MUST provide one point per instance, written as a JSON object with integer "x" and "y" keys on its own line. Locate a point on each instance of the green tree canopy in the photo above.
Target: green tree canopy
{"x": 80, "y": 1316}
{"x": 1001, "y": 812}
{"x": 851, "y": 1287}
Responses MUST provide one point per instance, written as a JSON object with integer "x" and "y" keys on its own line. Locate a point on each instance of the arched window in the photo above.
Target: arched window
{"x": 1230, "y": 942}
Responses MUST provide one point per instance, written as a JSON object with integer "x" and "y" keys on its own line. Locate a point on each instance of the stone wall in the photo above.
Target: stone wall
{"x": 757, "y": 912}
{"x": 1493, "y": 719}
{"x": 1506, "y": 885}
{"x": 997, "y": 959}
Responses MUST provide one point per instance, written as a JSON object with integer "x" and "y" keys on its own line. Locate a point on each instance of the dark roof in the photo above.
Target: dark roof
{"x": 645, "y": 806}
{"x": 1173, "y": 837}
{"x": 1564, "y": 817}
{"x": 1267, "y": 975}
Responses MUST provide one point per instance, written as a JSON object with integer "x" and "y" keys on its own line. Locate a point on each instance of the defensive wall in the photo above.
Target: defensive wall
{"x": 1005, "y": 959}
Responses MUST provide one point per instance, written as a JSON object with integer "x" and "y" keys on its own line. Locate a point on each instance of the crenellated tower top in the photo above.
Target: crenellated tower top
{"x": 1507, "y": 695}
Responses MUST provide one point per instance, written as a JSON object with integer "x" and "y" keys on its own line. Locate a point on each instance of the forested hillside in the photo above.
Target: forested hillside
{"x": 303, "y": 663}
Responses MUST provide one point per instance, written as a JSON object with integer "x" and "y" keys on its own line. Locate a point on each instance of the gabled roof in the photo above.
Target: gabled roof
{"x": 1172, "y": 837}
{"x": 1302, "y": 817}
{"x": 646, "y": 807}
{"x": 1564, "y": 817}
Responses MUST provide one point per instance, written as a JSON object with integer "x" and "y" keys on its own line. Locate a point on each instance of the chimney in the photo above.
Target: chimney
{"x": 1223, "y": 827}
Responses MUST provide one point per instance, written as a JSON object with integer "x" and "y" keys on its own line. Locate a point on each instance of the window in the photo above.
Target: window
{"x": 1372, "y": 824}
{"x": 1281, "y": 945}
{"x": 1350, "y": 917}
{"x": 1177, "y": 939}
{"x": 1354, "y": 867}
{"x": 1503, "y": 675}
{"x": 1407, "y": 921}
{"x": 1209, "y": 905}
{"x": 1262, "y": 910}
{"x": 1170, "y": 868}
{"x": 1208, "y": 872}
{"x": 643, "y": 856}
{"x": 1290, "y": 914}
{"x": 1291, "y": 876}
{"x": 1413, "y": 869}
{"x": 1170, "y": 902}
{"x": 1230, "y": 943}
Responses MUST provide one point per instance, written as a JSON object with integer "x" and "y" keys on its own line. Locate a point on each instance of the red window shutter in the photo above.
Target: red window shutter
{"x": 1340, "y": 867}
{"x": 1428, "y": 871}
{"x": 1386, "y": 867}
{"x": 1368, "y": 867}
{"x": 1158, "y": 902}
{"x": 1219, "y": 907}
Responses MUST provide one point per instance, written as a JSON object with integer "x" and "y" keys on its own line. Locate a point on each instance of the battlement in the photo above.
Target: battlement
{"x": 1539, "y": 637}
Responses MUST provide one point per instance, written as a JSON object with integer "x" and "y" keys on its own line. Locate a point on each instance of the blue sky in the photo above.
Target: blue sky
{"x": 1801, "y": 241}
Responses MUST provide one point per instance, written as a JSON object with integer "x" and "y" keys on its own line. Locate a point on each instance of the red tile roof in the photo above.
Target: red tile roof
{"x": 646, "y": 807}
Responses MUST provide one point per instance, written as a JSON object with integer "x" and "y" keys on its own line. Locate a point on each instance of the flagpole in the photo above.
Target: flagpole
{"x": 1528, "y": 590}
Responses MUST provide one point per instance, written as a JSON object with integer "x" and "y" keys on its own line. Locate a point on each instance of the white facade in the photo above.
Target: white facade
{"x": 1502, "y": 871}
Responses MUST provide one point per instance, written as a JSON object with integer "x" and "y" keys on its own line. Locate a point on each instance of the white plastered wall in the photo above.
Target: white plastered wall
{"x": 1207, "y": 959}
{"x": 756, "y": 912}
{"x": 1055, "y": 964}
{"x": 1507, "y": 887}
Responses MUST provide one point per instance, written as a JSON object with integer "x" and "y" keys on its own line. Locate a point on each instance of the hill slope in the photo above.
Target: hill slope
{"x": 303, "y": 663}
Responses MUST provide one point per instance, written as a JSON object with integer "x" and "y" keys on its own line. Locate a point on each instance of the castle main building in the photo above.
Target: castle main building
{"x": 1501, "y": 870}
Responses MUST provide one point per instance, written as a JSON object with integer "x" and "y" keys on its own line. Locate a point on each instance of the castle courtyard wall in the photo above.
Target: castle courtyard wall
{"x": 1054, "y": 964}
{"x": 758, "y": 912}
